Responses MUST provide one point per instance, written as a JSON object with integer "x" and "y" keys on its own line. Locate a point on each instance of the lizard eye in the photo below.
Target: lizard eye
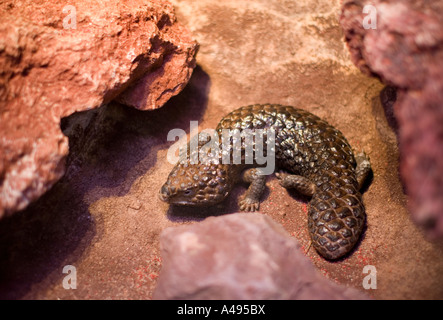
{"x": 188, "y": 192}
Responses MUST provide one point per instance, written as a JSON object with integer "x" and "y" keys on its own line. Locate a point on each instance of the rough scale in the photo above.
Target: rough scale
{"x": 316, "y": 160}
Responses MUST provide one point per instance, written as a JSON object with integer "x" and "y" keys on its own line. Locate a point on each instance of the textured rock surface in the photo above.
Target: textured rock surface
{"x": 49, "y": 72}
{"x": 240, "y": 256}
{"x": 406, "y": 51}
{"x": 105, "y": 217}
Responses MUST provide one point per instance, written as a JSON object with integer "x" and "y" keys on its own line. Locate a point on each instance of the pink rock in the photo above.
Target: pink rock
{"x": 240, "y": 256}
{"x": 133, "y": 50}
{"x": 406, "y": 51}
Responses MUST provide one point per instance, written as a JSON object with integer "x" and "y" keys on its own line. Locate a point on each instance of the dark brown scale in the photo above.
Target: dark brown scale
{"x": 318, "y": 156}
{"x": 308, "y": 146}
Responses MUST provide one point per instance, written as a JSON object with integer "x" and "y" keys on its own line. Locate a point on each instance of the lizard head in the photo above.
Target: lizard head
{"x": 196, "y": 184}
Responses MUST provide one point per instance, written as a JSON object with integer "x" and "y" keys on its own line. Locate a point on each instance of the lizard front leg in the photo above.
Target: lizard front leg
{"x": 257, "y": 182}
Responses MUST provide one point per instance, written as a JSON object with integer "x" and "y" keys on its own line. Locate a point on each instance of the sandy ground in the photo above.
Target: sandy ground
{"x": 104, "y": 217}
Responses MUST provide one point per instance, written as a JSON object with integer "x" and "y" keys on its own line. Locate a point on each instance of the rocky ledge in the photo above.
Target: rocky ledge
{"x": 58, "y": 59}
{"x": 403, "y": 46}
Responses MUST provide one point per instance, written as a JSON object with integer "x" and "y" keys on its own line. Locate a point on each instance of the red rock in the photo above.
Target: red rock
{"x": 135, "y": 51}
{"x": 406, "y": 51}
{"x": 240, "y": 256}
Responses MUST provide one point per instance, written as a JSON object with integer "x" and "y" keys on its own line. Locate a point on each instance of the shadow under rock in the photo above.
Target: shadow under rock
{"x": 105, "y": 147}
{"x": 40, "y": 240}
{"x": 122, "y": 144}
{"x": 388, "y": 97}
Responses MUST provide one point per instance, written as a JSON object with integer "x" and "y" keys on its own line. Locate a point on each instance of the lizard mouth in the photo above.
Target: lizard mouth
{"x": 175, "y": 200}
{"x": 183, "y": 202}
{"x": 163, "y": 197}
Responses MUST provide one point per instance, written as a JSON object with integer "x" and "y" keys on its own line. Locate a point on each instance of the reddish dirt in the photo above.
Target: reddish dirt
{"x": 104, "y": 217}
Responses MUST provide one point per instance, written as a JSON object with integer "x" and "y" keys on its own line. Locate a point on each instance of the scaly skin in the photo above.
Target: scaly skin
{"x": 318, "y": 162}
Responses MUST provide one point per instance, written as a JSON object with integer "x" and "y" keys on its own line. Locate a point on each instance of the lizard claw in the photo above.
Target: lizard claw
{"x": 248, "y": 204}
